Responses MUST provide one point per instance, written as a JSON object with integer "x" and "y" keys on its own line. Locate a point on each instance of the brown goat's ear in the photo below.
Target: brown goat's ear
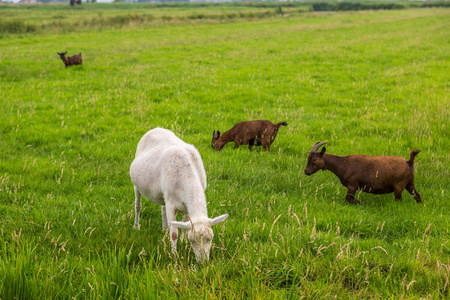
{"x": 323, "y": 151}
{"x": 218, "y": 133}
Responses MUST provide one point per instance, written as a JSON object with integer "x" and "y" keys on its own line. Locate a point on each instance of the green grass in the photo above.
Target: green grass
{"x": 373, "y": 82}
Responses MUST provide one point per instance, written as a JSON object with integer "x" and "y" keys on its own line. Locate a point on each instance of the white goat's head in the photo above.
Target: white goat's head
{"x": 200, "y": 235}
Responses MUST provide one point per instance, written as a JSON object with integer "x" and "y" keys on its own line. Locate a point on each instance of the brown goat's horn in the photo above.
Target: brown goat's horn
{"x": 317, "y": 146}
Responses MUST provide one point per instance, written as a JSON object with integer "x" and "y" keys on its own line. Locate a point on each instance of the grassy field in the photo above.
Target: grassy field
{"x": 373, "y": 82}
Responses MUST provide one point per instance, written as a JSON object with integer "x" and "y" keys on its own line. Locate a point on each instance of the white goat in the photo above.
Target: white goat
{"x": 170, "y": 173}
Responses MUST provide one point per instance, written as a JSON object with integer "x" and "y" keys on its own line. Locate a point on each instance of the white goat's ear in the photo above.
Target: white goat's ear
{"x": 218, "y": 220}
{"x": 182, "y": 225}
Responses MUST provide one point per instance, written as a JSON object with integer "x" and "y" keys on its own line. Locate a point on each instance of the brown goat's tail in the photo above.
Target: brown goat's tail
{"x": 412, "y": 155}
{"x": 281, "y": 123}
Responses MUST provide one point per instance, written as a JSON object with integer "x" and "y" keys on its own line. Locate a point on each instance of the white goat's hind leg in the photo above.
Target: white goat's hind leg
{"x": 137, "y": 207}
{"x": 164, "y": 217}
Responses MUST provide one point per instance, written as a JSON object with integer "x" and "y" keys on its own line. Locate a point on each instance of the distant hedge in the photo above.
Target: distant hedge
{"x": 436, "y": 4}
{"x": 349, "y": 6}
{"x": 324, "y": 6}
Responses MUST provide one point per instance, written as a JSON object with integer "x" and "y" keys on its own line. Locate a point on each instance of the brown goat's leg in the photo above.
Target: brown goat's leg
{"x": 412, "y": 190}
{"x": 398, "y": 193}
{"x": 351, "y": 196}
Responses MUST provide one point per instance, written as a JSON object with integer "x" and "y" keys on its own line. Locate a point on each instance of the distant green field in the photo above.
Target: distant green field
{"x": 368, "y": 82}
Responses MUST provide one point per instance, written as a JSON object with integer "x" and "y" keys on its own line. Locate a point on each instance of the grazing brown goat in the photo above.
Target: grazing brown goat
{"x": 71, "y": 60}
{"x": 251, "y": 133}
{"x": 370, "y": 174}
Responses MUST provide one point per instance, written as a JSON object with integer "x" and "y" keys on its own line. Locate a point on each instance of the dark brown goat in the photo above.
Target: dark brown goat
{"x": 71, "y": 60}
{"x": 370, "y": 174}
{"x": 251, "y": 133}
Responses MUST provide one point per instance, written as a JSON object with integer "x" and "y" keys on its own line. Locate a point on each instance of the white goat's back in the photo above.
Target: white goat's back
{"x": 164, "y": 163}
{"x": 158, "y": 139}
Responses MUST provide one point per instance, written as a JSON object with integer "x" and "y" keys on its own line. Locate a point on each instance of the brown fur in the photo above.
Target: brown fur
{"x": 71, "y": 60}
{"x": 251, "y": 133}
{"x": 370, "y": 174}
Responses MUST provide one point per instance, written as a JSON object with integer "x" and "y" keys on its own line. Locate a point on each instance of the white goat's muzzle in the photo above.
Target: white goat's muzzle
{"x": 201, "y": 255}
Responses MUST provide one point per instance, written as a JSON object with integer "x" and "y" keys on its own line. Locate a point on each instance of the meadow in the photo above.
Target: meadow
{"x": 367, "y": 82}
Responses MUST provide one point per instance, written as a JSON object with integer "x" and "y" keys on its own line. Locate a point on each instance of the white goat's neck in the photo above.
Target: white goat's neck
{"x": 197, "y": 208}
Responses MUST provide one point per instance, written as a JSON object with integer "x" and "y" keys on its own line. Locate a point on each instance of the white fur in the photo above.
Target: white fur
{"x": 170, "y": 173}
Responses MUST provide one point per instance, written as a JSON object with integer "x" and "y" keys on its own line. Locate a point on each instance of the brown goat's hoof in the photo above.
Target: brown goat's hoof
{"x": 354, "y": 201}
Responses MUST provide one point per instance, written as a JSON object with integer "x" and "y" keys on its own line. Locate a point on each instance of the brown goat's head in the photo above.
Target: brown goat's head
{"x": 215, "y": 139}
{"x": 315, "y": 159}
{"x": 62, "y": 55}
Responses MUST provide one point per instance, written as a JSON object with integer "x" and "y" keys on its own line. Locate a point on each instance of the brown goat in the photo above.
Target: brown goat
{"x": 71, "y": 60}
{"x": 251, "y": 133}
{"x": 370, "y": 174}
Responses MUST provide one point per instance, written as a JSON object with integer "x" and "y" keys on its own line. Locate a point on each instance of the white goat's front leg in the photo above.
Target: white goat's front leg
{"x": 164, "y": 217}
{"x": 184, "y": 231}
{"x": 137, "y": 207}
{"x": 171, "y": 216}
